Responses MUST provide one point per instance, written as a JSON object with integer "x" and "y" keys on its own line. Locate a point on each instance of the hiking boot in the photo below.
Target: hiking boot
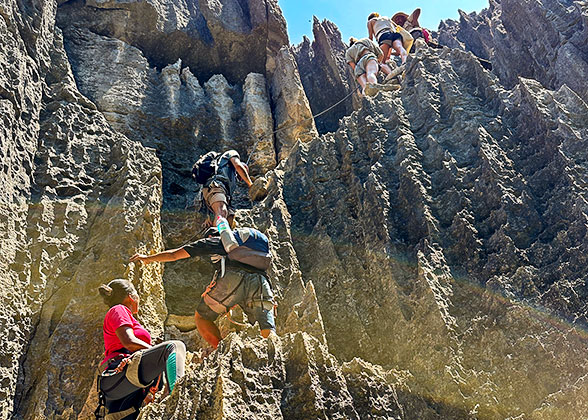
{"x": 371, "y": 89}
{"x": 395, "y": 73}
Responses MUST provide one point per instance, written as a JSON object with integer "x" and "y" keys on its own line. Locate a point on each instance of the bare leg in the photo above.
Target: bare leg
{"x": 371, "y": 68}
{"x": 399, "y": 49}
{"x": 385, "y": 68}
{"x": 362, "y": 82}
{"x": 265, "y": 333}
{"x": 386, "y": 50}
{"x": 219, "y": 208}
{"x": 208, "y": 330}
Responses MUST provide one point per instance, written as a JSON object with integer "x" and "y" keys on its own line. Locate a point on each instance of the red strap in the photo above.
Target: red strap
{"x": 209, "y": 288}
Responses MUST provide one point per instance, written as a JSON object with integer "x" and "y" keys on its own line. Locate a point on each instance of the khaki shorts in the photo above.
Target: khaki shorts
{"x": 214, "y": 193}
{"x": 360, "y": 66}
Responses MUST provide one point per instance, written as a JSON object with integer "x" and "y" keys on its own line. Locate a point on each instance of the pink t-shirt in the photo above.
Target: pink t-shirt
{"x": 116, "y": 317}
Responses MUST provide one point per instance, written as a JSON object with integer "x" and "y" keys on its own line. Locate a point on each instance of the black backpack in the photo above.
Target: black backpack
{"x": 205, "y": 167}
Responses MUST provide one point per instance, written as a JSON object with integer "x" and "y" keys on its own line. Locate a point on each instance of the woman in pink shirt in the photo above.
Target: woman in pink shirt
{"x": 131, "y": 364}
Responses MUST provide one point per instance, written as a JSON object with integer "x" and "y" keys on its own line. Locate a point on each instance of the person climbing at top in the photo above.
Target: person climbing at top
{"x": 411, "y": 24}
{"x": 364, "y": 56}
{"x": 243, "y": 256}
{"x": 408, "y": 22}
{"x": 218, "y": 175}
{"x": 132, "y": 367}
{"x": 381, "y": 28}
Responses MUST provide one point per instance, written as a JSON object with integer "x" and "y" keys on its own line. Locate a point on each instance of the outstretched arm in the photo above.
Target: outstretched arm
{"x": 164, "y": 256}
{"x": 242, "y": 170}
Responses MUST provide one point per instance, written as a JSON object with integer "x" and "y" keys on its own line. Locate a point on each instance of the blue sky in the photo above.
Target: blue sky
{"x": 351, "y": 16}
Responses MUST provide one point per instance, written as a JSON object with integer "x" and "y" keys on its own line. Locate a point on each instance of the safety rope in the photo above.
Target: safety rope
{"x": 228, "y": 315}
{"x": 312, "y": 117}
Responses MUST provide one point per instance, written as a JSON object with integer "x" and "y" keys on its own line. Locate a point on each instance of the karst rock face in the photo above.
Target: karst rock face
{"x": 430, "y": 245}
{"x": 326, "y": 77}
{"x": 543, "y": 40}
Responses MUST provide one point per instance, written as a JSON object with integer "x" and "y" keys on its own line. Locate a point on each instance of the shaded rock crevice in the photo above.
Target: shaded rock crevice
{"x": 233, "y": 39}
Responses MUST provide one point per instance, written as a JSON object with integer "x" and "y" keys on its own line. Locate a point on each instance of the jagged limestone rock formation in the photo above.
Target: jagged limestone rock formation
{"x": 546, "y": 41}
{"x": 429, "y": 254}
{"x": 292, "y": 111}
{"x": 233, "y": 37}
{"x": 171, "y": 111}
{"x": 79, "y": 198}
{"x": 325, "y": 75}
{"x": 436, "y": 218}
{"x": 288, "y": 377}
{"x": 20, "y": 105}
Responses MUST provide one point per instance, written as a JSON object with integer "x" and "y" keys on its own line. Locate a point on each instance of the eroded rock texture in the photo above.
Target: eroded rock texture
{"x": 230, "y": 37}
{"x": 429, "y": 251}
{"x": 445, "y": 210}
{"x": 546, "y": 41}
{"x": 326, "y": 77}
{"x": 77, "y": 198}
{"x": 288, "y": 377}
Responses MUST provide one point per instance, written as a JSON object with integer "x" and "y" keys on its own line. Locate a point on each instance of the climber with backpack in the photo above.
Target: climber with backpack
{"x": 242, "y": 257}
{"x": 218, "y": 175}
{"x": 411, "y": 24}
{"x": 132, "y": 370}
{"x": 390, "y": 37}
{"x": 364, "y": 56}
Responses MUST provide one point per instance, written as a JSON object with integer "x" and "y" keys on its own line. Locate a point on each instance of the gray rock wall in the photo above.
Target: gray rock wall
{"x": 25, "y": 55}
{"x": 429, "y": 253}
{"x": 326, "y": 77}
{"x": 546, "y": 41}
{"x": 425, "y": 227}
{"x": 77, "y": 198}
{"x": 233, "y": 37}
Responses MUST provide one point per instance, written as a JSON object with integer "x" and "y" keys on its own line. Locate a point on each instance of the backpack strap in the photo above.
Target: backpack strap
{"x": 120, "y": 414}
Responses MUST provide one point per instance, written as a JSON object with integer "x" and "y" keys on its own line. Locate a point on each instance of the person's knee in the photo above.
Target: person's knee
{"x": 178, "y": 346}
{"x": 266, "y": 333}
{"x": 220, "y": 208}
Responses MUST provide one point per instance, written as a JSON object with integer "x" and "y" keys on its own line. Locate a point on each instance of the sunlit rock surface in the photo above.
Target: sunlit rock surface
{"x": 429, "y": 250}
{"x": 546, "y": 41}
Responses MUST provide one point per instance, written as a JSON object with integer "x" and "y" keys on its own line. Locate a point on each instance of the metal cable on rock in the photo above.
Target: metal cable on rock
{"x": 298, "y": 123}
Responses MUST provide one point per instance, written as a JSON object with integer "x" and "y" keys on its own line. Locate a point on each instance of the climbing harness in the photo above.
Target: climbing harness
{"x": 298, "y": 123}
{"x": 228, "y": 315}
{"x": 152, "y": 391}
{"x": 131, "y": 363}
